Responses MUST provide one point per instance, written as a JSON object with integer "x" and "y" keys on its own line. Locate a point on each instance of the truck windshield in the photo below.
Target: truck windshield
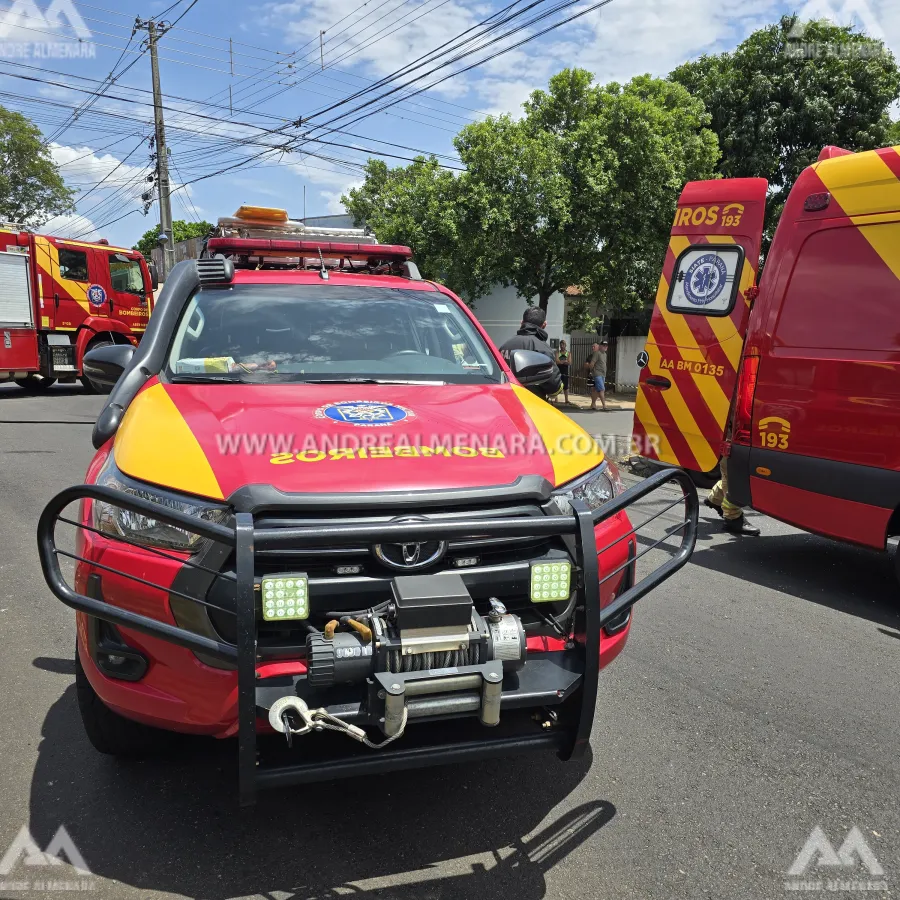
{"x": 125, "y": 274}
{"x": 325, "y": 333}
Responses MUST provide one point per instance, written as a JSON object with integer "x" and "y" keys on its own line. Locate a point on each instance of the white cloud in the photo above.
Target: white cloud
{"x": 71, "y": 226}
{"x": 380, "y": 46}
{"x": 85, "y": 167}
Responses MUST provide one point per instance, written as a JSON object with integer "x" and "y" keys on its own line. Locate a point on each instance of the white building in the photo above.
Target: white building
{"x": 500, "y": 312}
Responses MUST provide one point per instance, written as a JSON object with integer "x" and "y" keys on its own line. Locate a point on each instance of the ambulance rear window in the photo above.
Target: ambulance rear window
{"x": 312, "y": 332}
{"x": 706, "y": 280}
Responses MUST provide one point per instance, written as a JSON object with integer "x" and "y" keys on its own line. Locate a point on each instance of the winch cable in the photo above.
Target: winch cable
{"x": 441, "y": 659}
{"x": 321, "y": 720}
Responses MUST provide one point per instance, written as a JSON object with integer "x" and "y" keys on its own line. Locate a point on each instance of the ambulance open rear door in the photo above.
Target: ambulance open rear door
{"x": 689, "y": 367}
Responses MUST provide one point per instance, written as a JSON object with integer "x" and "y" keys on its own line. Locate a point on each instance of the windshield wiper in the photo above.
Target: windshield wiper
{"x": 207, "y": 378}
{"x": 370, "y": 381}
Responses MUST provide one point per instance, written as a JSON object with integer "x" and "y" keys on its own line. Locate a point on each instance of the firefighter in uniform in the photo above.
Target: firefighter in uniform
{"x": 734, "y": 521}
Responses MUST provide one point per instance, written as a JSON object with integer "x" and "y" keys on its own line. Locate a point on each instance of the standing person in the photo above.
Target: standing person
{"x": 732, "y": 514}
{"x": 596, "y": 367}
{"x": 563, "y": 361}
{"x": 532, "y": 336}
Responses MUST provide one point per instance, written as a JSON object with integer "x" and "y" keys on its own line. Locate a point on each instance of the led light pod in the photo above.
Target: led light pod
{"x": 284, "y": 597}
{"x": 551, "y": 581}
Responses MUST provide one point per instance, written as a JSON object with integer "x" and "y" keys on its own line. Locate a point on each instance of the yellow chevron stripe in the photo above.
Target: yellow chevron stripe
{"x": 652, "y": 428}
{"x": 107, "y": 247}
{"x": 572, "y": 450}
{"x": 885, "y": 240}
{"x": 748, "y": 274}
{"x": 862, "y": 184}
{"x": 155, "y": 444}
{"x": 682, "y": 416}
{"x": 678, "y": 327}
{"x": 75, "y": 289}
{"x": 689, "y": 349}
{"x": 732, "y": 343}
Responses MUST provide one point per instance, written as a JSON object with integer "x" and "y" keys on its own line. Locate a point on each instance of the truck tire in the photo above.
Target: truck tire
{"x": 91, "y": 387}
{"x": 35, "y": 382}
{"x": 113, "y": 734}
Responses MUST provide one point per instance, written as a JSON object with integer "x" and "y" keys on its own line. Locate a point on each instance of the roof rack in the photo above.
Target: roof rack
{"x": 265, "y": 237}
{"x": 268, "y": 222}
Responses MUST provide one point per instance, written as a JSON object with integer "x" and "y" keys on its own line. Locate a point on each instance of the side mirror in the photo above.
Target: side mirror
{"x": 535, "y": 370}
{"x": 154, "y": 276}
{"x": 105, "y": 365}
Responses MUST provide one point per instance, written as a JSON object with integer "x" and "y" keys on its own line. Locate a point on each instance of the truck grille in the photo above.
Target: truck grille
{"x": 501, "y": 570}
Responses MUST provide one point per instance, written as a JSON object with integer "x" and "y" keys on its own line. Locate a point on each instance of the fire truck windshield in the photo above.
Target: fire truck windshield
{"x": 313, "y": 332}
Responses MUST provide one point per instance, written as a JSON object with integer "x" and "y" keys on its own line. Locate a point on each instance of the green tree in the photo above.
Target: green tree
{"x": 31, "y": 188}
{"x": 789, "y": 90}
{"x": 892, "y": 138}
{"x": 182, "y": 232}
{"x": 416, "y": 206}
{"x": 543, "y": 200}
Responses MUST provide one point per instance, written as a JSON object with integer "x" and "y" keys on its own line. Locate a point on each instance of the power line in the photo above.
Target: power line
{"x": 190, "y": 7}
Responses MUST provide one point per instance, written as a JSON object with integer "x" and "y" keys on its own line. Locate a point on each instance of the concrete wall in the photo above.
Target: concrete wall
{"x": 189, "y": 249}
{"x": 627, "y": 349}
{"x": 500, "y": 312}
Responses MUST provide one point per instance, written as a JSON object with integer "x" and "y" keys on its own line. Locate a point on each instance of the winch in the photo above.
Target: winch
{"x": 431, "y": 625}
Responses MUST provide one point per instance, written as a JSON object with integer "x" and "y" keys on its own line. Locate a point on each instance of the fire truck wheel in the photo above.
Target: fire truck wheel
{"x": 33, "y": 382}
{"x": 91, "y": 387}
{"x": 113, "y": 734}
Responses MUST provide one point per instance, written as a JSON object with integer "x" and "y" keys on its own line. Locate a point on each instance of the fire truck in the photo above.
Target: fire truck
{"x": 60, "y": 298}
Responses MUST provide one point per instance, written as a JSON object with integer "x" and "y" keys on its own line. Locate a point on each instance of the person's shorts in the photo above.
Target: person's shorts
{"x": 599, "y": 383}
{"x": 565, "y": 379}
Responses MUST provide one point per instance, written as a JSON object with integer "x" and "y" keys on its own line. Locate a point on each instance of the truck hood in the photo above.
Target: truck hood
{"x": 213, "y": 439}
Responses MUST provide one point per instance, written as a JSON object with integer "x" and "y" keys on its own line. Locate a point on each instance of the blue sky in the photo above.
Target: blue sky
{"x": 274, "y": 70}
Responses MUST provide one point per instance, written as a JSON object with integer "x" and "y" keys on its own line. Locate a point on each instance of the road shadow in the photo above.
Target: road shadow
{"x": 12, "y": 391}
{"x": 851, "y": 580}
{"x": 54, "y": 664}
{"x": 173, "y": 825}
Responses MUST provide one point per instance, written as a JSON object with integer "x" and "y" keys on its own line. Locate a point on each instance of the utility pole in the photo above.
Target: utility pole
{"x": 155, "y": 32}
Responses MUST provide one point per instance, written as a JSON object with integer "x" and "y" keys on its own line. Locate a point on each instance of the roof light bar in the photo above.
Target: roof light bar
{"x": 274, "y": 246}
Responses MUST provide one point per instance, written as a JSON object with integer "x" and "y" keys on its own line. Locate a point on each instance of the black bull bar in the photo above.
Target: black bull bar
{"x": 570, "y": 740}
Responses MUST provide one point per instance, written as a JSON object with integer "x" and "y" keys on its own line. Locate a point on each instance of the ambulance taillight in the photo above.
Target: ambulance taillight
{"x": 743, "y": 409}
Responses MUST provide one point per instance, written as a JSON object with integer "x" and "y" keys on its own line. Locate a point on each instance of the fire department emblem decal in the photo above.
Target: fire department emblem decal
{"x": 705, "y": 279}
{"x": 364, "y": 413}
{"x": 96, "y": 295}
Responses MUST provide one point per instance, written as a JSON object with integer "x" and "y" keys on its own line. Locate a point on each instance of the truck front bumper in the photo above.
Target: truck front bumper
{"x": 547, "y": 704}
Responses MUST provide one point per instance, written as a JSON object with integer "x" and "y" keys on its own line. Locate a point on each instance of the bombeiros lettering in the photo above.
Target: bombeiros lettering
{"x": 728, "y": 216}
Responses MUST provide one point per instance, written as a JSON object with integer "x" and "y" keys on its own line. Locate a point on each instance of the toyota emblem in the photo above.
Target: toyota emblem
{"x": 410, "y": 554}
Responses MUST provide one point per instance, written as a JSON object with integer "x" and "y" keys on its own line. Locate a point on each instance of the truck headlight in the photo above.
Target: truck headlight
{"x": 595, "y": 488}
{"x": 118, "y": 522}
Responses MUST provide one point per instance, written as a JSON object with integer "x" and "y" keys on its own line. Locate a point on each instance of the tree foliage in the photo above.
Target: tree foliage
{"x": 31, "y": 187}
{"x": 580, "y": 190}
{"x": 182, "y": 231}
{"x": 892, "y": 139}
{"x": 418, "y": 206}
{"x": 788, "y": 91}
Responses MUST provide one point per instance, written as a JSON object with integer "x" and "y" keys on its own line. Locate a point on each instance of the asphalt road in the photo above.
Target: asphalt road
{"x": 757, "y": 699}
